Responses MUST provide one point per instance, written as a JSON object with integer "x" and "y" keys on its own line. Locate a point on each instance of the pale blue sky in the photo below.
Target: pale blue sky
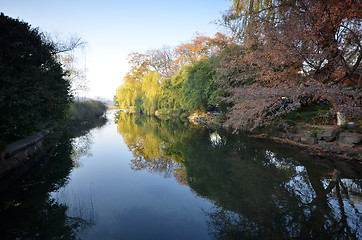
{"x": 113, "y": 29}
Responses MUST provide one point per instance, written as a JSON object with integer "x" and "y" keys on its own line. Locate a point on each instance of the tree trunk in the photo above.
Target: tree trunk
{"x": 341, "y": 118}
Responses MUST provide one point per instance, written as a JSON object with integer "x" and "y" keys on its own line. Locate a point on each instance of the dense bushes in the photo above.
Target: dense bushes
{"x": 33, "y": 91}
{"x": 201, "y": 89}
{"x": 86, "y": 111}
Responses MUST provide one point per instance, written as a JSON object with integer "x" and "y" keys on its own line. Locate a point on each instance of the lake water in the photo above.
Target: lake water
{"x": 138, "y": 177}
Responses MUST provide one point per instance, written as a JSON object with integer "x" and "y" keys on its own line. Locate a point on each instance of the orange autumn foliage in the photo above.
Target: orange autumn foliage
{"x": 201, "y": 47}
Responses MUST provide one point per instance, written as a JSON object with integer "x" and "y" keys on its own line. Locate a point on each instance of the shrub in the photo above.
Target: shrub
{"x": 33, "y": 91}
{"x": 87, "y": 110}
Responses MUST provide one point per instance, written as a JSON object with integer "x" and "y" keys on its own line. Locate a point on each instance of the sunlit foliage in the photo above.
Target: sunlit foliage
{"x": 177, "y": 84}
{"x": 200, "y": 47}
{"x": 162, "y": 80}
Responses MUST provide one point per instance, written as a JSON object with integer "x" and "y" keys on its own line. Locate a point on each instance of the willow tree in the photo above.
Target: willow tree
{"x": 151, "y": 92}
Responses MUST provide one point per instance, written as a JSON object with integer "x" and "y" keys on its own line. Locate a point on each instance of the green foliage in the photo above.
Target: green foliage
{"x": 150, "y": 92}
{"x": 313, "y": 134}
{"x": 344, "y": 126}
{"x": 86, "y": 111}
{"x": 139, "y": 104}
{"x": 307, "y": 113}
{"x": 33, "y": 92}
{"x": 192, "y": 88}
{"x": 115, "y": 101}
{"x": 172, "y": 91}
{"x": 201, "y": 89}
{"x": 128, "y": 92}
{"x": 316, "y": 129}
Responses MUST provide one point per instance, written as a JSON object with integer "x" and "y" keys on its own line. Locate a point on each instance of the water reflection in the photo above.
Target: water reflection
{"x": 215, "y": 138}
{"x": 248, "y": 188}
{"x": 155, "y": 144}
{"x": 259, "y": 189}
{"x": 27, "y": 208}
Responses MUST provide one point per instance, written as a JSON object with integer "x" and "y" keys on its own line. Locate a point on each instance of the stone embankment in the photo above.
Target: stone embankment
{"x": 21, "y": 154}
{"x": 208, "y": 119}
{"x": 326, "y": 141}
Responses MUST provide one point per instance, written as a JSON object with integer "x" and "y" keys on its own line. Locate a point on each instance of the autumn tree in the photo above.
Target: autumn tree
{"x": 294, "y": 44}
{"x": 161, "y": 61}
{"x": 324, "y": 35}
{"x": 157, "y": 60}
{"x": 131, "y": 87}
{"x": 200, "y": 47}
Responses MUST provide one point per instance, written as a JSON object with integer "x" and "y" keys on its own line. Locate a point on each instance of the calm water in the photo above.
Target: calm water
{"x": 136, "y": 177}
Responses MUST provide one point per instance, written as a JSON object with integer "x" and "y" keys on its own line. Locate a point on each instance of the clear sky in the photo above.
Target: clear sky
{"x": 113, "y": 29}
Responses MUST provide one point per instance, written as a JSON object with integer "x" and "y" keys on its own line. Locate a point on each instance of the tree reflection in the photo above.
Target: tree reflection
{"x": 155, "y": 144}
{"x": 82, "y": 140}
{"x": 276, "y": 194}
{"x": 27, "y": 209}
{"x": 29, "y": 213}
{"x": 81, "y": 148}
{"x": 260, "y": 189}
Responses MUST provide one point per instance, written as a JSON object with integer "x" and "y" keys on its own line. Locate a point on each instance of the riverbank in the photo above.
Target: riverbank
{"x": 18, "y": 156}
{"x": 325, "y": 141}
{"x": 22, "y": 154}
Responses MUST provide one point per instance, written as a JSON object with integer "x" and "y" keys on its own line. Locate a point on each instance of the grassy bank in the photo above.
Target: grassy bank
{"x": 82, "y": 111}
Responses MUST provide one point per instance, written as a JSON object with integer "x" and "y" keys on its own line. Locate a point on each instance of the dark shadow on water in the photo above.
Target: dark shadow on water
{"x": 27, "y": 211}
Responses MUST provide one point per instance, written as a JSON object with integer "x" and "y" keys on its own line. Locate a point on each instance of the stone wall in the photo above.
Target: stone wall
{"x": 327, "y": 139}
{"x": 20, "y": 154}
{"x": 330, "y": 139}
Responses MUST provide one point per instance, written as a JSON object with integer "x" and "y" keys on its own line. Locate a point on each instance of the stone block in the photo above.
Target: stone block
{"x": 296, "y": 138}
{"x": 324, "y": 144}
{"x": 334, "y": 149}
{"x": 348, "y": 140}
{"x": 327, "y": 135}
{"x": 308, "y": 140}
